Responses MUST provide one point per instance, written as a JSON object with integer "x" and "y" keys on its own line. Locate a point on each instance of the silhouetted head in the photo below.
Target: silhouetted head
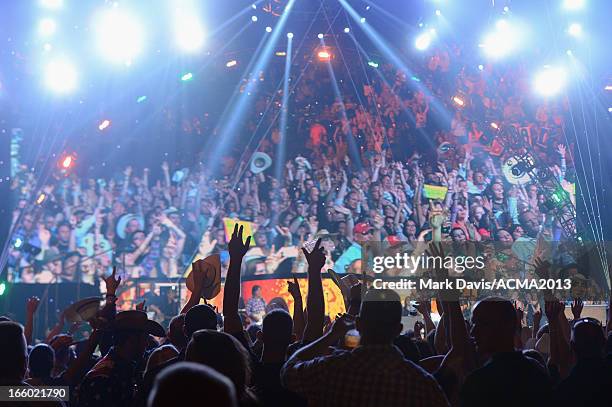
{"x": 185, "y": 383}
{"x": 13, "y": 352}
{"x": 380, "y": 317}
{"x": 588, "y": 340}
{"x": 41, "y": 360}
{"x": 201, "y": 316}
{"x": 494, "y": 325}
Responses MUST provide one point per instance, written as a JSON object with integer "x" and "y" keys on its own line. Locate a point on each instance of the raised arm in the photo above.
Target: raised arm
{"x": 31, "y": 307}
{"x": 298, "y": 308}
{"x": 231, "y": 291}
{"x": 315, "y": 304}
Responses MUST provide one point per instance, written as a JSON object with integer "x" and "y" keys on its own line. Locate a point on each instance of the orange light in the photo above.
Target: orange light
{"x": 105, "y": 123}
{"x": 280, "y": 53}
{"x": 324, "y": 55}
{"x": 495, "y": 125}
{"x": 67, "y": 162}
{"x": 231, "y": 63}
{"x": 41, "y": 198}
{"x": 458, "y": 101}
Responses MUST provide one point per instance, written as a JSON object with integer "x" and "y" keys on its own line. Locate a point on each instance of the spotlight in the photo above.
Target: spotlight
{"x": 458, "y": 101}
{"x": 46, "y": 27}
{"x": 438, "y": 13}
{"x": 373, "y": 64}
{"x": 506, "y": 9}
{"x": 2, "y": 288}
{"x": 231, "y": 63}
{"x": 363, "y": 20}
{"x": 60, "y": 76}
{"x": 67, "y": 161}
{"x": 254, "y": 19}
{"x": 573, "y": 4}
{"x": 51, "y": 3}
{"x": 347, "y": 30}
{"x": 141, "y": 99}
{"x": 608, "y": 88}
{"x": 502, "y": 41}
{"x": 189, "y": 32}
{"x": 569, "y": 53}
{"x": 41, "y": 198}
{"x": 550, "y": 80}
{"x": 119, "y": 36}
{"x": 495, "y": 125}
{"x": 320, "y": 36}
{"x": 104, "y": 124}
{"x": 280, "y": 53}
{"x": 268, "y": 29}
{"x": 324, "y": 55}
{"x": 47, "y": 47}
{"x": 289, "y": 35}
{"x": 575, "y": 30}
{"x": 187, "y": 77}
{"x": 423, "y": 40}
{"x": 480, "y": 67}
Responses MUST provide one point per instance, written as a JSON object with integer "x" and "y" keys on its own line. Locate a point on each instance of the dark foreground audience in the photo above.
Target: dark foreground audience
{"x": 360, "y": 359}
{"x": 185, "y": 383}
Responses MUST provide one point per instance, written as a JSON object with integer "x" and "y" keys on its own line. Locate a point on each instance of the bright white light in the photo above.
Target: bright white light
{"x": 189, "y": 32}
{"x": 363, "y": 20}
{"x": 268, "y": 29}
{"x": 506, "y": 9}
{"x": 320, "y": 36}
{"x": 47, "y": 47}
{"x": 289, "y": 35}
{"x": 347, "y": 30}
{"x": 119, "y": 36}
{"x": 480, "y": 67}
{"x": 502, "y": 41}
{"x": 51, "y": 3}
{"x": 569, "y": 53}
{"x": 254, "y": 19}
{"x": 423, "y": 40}
{"x": 46, "y": 27}
{"x": 575, "y": 30}
{"x": 60, "y": 76}
{"x": 573, "y": 4}
{"x": 550, "y": 80}
{"x": 438, "y": 13}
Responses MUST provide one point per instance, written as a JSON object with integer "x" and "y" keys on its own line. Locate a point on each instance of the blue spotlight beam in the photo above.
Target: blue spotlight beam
{"x": 227, "y": 133}
{"x": 392, "y": 57}
{"x": 280, "y": 150}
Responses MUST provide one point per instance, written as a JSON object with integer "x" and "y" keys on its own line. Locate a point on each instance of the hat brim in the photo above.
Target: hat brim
{"x": 155, "y": 329}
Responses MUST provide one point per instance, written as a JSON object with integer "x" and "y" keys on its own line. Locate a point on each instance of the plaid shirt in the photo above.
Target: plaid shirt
{"x": 373, "y": 376}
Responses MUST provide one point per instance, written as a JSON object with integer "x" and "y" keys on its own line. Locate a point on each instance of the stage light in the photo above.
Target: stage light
{"x": 46, "y": 27}
{"x": 2, "y": 288}
{"x": 187, "y": 77}
{"x": 575, "y": 30}
{"x": 104, "y": 124}
{"x": 254, "y": 19}
{"x": 60, "y": 76}
{"x": 231, "y": 63}
{"x": 47, "y": 47}
{"x": 320, "y": 36}
{"x": 495, "y": 125}
{"x": 268, "y": 29}
{"x": 347, "y": 30}
{"x": 41, "y": 198}
{"x": 189, "y": 32}
{"x": 608, "y": 88}
{"x": 373, "y": 64}
{"x": 51, "y": 3}
{"x": 423, "y": 41}
{"x": 363, "y": 20}
{"x": 67, "y": 162}
{"x": 141, "y": 99}
{"x": 502, "y": 41}
{"x": 324, "y": 55}
{"x": 480, "y": 67}
{"x": 550, "y": 80}
{"x": 569, "y": 53}
{"x": 506, "y": 9}
{"x": 438, "y": 13}
{"x": 610, "y": 110}
{"x": 458, "y": 101}
{"x": 289, "y": 35}
{"x": 280, "y": 53}
{"x": 119, "y": 36}
{"x": 573, "y": 4}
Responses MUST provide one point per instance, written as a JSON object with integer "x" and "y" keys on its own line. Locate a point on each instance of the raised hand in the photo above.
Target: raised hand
{"x": 418, "y": 328}
{"x": 237, "y": 247}
{"x": 32, "y": 305}
{"x": 112, "y": 282}
{"x": 553, "y": 309}
{"x": 542, "y": 268}
{"x": 424, "y": 307}
{"x": 316, "y": 258}
{"x": 294, "y": 289}
{"x": 577, "y": 306}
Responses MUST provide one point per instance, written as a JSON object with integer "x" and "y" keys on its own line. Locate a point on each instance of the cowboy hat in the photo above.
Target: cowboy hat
{"x": 137, "y": 321}
{"x": 212, "y": 276}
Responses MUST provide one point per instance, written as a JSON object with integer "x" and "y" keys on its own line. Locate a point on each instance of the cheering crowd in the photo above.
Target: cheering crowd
{"x": 367, "y": 167}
